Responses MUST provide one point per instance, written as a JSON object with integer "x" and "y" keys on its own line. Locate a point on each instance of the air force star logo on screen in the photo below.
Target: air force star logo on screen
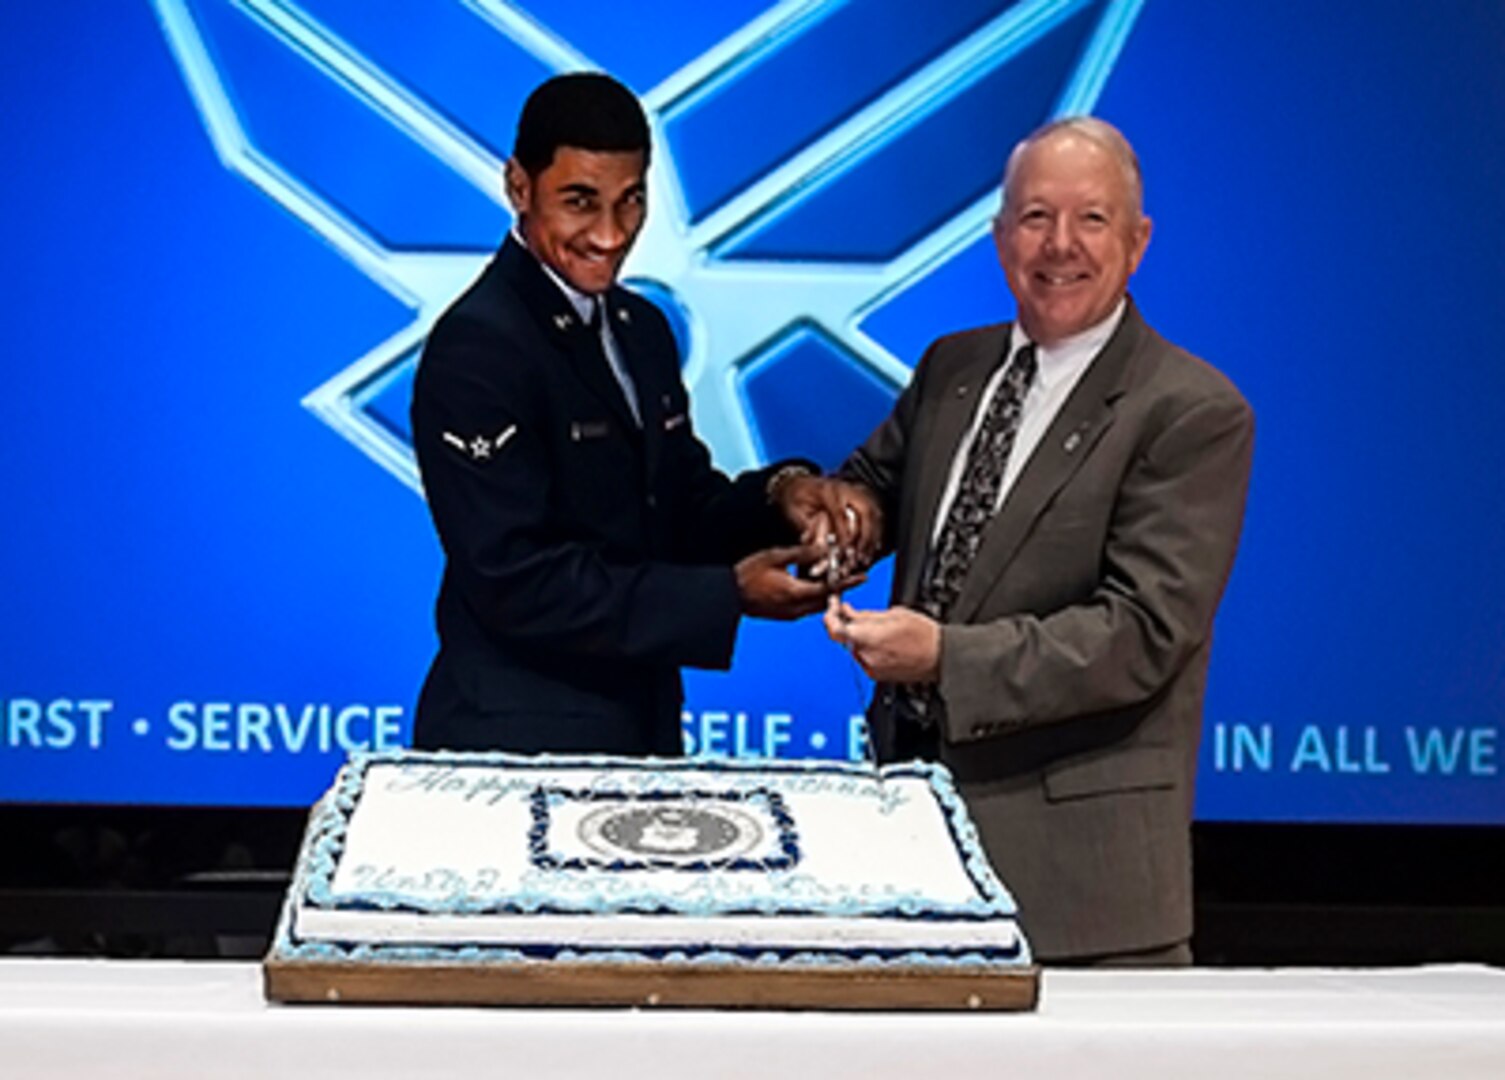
{"x": 812, "y": 166}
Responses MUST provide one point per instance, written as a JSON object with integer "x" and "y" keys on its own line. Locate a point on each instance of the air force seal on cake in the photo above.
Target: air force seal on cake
{"x": 673, "y": 832}
{"x": 692, "y": 831}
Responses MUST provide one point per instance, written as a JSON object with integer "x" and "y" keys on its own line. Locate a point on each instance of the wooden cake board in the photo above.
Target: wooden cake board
{"x": 695, "y": 986}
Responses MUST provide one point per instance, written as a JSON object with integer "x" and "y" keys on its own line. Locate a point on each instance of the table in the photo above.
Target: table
{"x": 103, "y": 1018}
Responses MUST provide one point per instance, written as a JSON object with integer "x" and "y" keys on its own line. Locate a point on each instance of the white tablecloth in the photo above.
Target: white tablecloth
{"x": 69, "y": 1018}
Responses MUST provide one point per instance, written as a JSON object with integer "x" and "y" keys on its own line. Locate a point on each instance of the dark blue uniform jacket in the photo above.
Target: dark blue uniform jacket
{"x": 587, "y": 559}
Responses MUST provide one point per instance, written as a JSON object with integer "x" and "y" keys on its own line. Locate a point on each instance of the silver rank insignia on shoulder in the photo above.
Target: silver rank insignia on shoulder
{"x": 480, "y": 447}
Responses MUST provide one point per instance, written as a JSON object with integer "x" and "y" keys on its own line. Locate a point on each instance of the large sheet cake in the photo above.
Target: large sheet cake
{"x": 586, "y": 880}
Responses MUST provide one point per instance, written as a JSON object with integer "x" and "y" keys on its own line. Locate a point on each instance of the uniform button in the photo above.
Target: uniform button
{"x": 979, "y": 730}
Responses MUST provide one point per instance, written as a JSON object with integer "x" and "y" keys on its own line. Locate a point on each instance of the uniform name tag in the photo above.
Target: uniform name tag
{"x": 589, "y": 429}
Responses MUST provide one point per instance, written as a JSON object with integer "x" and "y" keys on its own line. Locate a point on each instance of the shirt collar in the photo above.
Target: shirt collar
{"x": 1068, "y": 353}
{"x": 581, "y": 302}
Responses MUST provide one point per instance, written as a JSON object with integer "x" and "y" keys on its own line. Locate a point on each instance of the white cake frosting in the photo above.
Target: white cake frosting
{"x": 465, "y": 857}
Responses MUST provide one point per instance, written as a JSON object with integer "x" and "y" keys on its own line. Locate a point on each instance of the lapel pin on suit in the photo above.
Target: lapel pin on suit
{"x": 562, "y": 321}
{"x": 1072, "y": 442}
{"x": 623, "y": 316}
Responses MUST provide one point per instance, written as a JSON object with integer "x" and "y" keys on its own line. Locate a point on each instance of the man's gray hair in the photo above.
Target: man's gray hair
{"x": 1096, "y": 131}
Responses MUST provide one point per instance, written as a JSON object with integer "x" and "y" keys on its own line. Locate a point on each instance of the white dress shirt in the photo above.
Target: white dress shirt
{"x": 1058, "y": 369}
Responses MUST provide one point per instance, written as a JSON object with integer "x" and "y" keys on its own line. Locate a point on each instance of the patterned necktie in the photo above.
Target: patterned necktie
{"x": 971, "y": 510}
{"x": 977, "y": 494}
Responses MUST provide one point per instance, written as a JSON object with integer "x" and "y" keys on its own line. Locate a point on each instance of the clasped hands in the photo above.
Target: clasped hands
{"x": 840, "y": 528}
{"x": 897, "y": 645}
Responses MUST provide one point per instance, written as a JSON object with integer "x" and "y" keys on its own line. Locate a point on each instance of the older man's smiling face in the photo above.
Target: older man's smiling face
{"x": 1069, "y": 236}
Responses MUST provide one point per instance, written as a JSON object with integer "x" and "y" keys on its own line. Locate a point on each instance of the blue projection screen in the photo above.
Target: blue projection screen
{"x": 230, "y": 225}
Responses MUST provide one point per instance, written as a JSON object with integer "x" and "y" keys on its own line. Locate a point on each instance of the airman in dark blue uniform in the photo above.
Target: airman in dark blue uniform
{"x": 591, "y": 547}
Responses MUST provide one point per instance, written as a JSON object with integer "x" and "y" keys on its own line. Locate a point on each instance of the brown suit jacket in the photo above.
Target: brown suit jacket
{"x": 1074, "y": 661}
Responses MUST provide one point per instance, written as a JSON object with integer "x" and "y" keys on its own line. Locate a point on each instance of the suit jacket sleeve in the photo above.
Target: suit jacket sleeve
{"x": 1170, "y": 546}
{"x": 522, "y": 572}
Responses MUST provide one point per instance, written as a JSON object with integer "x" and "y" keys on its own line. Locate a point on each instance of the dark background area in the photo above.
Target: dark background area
{"x": 208, "y": 882}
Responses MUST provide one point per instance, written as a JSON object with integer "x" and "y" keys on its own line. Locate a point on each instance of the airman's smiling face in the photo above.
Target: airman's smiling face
{"x": 581, "y": 214}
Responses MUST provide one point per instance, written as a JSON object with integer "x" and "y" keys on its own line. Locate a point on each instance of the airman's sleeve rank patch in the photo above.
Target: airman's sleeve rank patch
{"x": 480, "y": 447}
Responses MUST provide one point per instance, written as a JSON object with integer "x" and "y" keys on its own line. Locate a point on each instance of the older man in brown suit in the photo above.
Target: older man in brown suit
{"x": 1064, "y": 494}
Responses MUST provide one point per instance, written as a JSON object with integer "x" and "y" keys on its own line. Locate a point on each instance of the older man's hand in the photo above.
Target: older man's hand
{"x": 897, "y": 645}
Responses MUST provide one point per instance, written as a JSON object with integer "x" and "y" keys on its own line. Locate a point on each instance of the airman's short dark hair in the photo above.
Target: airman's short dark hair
{"x": 587, "y": 110}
